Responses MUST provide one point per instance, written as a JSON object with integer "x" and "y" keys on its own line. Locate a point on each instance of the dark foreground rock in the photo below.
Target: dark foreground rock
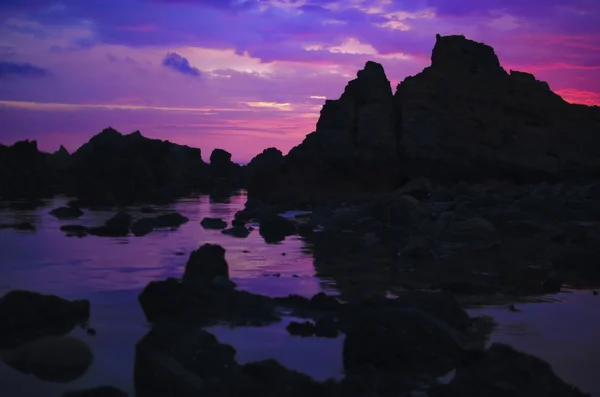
{"x": 26, "y": 316}
{"x": 66, "y": 212}
{"x": 502, "y": 371}
{"x": 188, "y": 361}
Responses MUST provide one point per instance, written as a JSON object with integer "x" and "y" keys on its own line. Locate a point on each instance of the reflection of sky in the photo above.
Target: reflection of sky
{"x": 564, "y": 333}
{"x": 47, "y": 261}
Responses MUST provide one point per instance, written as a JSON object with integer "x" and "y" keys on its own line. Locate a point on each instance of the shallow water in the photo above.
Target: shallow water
{"x": 111, "y": 272}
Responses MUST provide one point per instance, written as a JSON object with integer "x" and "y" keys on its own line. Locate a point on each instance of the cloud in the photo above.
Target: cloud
{"x": 176, "y": 62}
{"x": 21, "y": 69}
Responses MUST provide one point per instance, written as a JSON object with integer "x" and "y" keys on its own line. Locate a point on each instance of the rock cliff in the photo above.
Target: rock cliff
{"x": 466, "y": 118}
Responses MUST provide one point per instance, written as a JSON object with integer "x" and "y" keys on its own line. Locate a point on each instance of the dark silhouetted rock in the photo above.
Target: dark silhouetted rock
{"x": 466, "y": 118}
{"x": 113, "y": 168}
{"x": 25, "y": 316}
{"x": 205, "y": 264}
{"x": 275, "y": 228}
{"x": 117, "y": 226}
{"x": 504, "y": 372}
{"x": 74, "y": 230}
{"x": 213, "y": 223}
{"x": 66, "y": 212}
{"x": 237, "y": 231}
{"x": 27, "y": 173}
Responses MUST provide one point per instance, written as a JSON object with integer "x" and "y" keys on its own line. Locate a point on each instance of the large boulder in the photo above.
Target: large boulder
{"x": 205, "y": 264}
{"x": 466, "y": 118}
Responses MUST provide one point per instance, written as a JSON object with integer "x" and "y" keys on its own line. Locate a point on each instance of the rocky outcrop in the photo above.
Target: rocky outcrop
{"x": 466, "y": 118}
{"x": 354, "y": 148}
{"x": 117, "y": 168}
{"x": 25, "y": 172}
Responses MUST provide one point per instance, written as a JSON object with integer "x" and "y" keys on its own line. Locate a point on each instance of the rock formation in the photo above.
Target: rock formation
{"x": 466, "y": 118}
{"x": 355, "y": 146}
{"x": 462, "y": 118}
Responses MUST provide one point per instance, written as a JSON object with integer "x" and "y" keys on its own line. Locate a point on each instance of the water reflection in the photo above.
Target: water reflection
{"x": 112, "y": 271}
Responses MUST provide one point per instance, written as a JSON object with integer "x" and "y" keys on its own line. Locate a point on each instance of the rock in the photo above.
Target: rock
{"x": 25, "y": 316}
{"x": 406, "y": 340}
{"x": 186, "y": 362}
{"x": 213, "y": 223}
{"x": 466, "y": 118}
{"x": 50, "y": 358}
{"x": 117, "y": 226}
{"x": 205, "y": 264}
{"x": 27, "y": 173}
{"x": 66, "y": 212}
{"x": 275, "y": 228}
{"x": 238, "y": 223}
{"x": 100, "y": 391}
{"x": 237, "y": 231}
{"x": 113, "y": 168}
{"x": 143, "y": 226}
{"x": 419, "y": 188}
{"x": 222, "y": 167}
{"x": 301, "y": 329}
{"x": 552, "y": 284}
{"x": 148, "y": 210}
{"x": 223, "y": 282}
{"x": 504, "y": 372}
{"x": 474, "y": 233}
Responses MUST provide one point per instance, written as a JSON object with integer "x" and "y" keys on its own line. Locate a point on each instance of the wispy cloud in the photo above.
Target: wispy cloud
{"x": 8, "y": 69}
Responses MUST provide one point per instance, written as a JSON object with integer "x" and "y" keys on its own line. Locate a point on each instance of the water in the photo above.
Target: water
{"x": 111, "y": 272}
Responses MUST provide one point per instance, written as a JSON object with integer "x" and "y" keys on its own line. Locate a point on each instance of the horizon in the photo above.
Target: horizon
{"x": 247, "y": 75}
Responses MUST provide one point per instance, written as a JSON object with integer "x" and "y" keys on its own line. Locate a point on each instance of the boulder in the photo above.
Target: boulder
{"x": 66, "y": 212}
{"x": 143, "y": 226}
{"x": 213, "y": 223}
{"x": 275, "y": 228}
{"x": 205, "y": 264}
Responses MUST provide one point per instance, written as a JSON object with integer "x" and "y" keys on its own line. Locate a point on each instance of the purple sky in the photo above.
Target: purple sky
{"x": 246, "y": 75}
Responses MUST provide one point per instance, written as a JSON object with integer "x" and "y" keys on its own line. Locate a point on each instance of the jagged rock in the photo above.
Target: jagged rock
{"x": 25, "y": 316}
{"x": 466, "y": 118}
{"x": 237, "y": 231}
{"x": 117, "y": 226}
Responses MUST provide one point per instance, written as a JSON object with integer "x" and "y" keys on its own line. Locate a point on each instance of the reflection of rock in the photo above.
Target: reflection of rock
{"x": 100, "y": 391}
{"x": 25, "y": 316}
{"x": 50, "y": 358}
{"x": 143, "y": 226}
{"x": 504, "y": 372}
{"x": 24, "y": 226}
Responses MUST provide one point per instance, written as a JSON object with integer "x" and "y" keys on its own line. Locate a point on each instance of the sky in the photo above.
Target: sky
{"x": 244, "y": 75}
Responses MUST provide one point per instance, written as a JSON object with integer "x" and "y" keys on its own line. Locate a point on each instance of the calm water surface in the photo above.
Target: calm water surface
{"x": 111, "y": 272}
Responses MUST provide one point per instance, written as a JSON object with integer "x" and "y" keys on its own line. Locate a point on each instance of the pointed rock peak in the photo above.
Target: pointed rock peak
{"x": 136, "y": 134}
{"x": 458, "y": 55}
{"x": 62, "y": 151}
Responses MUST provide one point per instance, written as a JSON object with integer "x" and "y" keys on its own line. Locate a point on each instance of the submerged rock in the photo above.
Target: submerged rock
{"x": 144, "y": 226}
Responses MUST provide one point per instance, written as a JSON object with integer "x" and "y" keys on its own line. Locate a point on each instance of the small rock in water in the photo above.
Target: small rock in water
{"x": 304, "y": 329}
{"x": 237, "y": 231}
{"x": 66, "y": 212}
{"x": 595, "y": 292}
{"x": 213, "y": 223}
